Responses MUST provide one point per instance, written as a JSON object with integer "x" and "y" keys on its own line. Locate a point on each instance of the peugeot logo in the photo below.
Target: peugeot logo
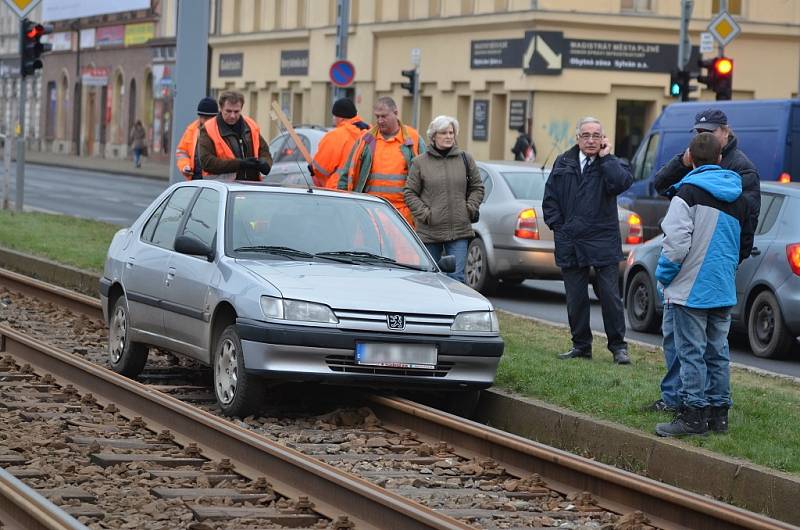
{"x": 395, "y": 321}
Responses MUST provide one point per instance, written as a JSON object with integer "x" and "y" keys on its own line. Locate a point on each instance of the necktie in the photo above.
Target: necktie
{"x": 586, "y": 164}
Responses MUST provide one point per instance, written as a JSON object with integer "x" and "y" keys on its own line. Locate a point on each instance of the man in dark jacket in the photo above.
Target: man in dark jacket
{"x": 580, "y": 207}
{"x": 716, "y": 122}
{"x": 522, "y": 146}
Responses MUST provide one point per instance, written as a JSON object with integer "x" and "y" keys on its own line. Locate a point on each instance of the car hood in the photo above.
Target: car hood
{"x": 369, "y": 288}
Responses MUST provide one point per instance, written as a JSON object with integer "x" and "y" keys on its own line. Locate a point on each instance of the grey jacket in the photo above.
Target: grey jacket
{"x": 441, "y": 195}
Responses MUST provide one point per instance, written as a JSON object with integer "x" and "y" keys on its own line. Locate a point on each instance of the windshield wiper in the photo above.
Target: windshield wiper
{"x": 272, "y": 249}
{"x": 352, "y": 256}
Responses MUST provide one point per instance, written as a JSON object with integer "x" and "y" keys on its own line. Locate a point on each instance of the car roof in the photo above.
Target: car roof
{"x": 239, "y": 185}
{"x": 508, "y": 165}
{"x": 789, "y": 188}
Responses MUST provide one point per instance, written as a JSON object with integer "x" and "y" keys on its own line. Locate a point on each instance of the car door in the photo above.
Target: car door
{"x": 147, "y": 261}
{"x": 190, "y": 278}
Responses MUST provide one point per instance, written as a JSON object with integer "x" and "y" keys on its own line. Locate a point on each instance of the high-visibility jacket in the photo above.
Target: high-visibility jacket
{"x": 333, "y": 151}
{"x": 379, "y": 166}
{"x": 186, "y": 153}
{"x": 221, "y": 147}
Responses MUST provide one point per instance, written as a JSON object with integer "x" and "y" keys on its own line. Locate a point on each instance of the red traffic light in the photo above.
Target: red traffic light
{"x": 35, "y": 31}
{"x": 723, "y": 66}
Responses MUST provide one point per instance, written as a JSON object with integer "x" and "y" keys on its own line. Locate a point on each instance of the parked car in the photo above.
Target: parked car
{"x": 767, "y": 283}
{"x": 264, "y": 282}
{"x": 512, "y": 242}
{"x": 288, "y": 165}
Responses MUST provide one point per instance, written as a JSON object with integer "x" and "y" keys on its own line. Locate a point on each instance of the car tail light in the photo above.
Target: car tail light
{"x": 784, "y": 178}
{"x": 793, "y": 255}
{"x": 527, "y": 226}
{"x": 634, "y": 230}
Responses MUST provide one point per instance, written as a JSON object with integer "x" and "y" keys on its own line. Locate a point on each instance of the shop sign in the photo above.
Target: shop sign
{"x": 139, "y": 33}
{"x": 517, "y": 113}
{"x": 110, "y": 36}
{"x": 61, "y": 41}
{"x": 480, "y": 119}
{"x": 231, "y": 64}
{"x": 87, "y": 38}
{"x": 294, "y": 62}
{"x": 498, "y": 53}
{"x": 95, "y": 76}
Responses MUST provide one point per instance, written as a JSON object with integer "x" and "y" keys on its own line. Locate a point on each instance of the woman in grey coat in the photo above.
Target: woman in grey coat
{"x": 444, "y": 192}
{"x": 138, "y": 140}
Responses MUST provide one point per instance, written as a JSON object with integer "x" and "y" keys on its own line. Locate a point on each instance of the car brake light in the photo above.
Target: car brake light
{"x": 793, "y": 255}
{"x": 784, "y": 178}
{"x": 634, "y": 230}
{"x": 527, "y": 227}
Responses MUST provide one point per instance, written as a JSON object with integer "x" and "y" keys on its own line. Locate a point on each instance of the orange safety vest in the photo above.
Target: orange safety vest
{"x": 333, "y": 152}
{"x": 221, "y": 147}
{"x": 187, "y": 147}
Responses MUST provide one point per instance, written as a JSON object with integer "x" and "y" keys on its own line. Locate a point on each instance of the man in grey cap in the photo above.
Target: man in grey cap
{"x": 716, "y": 122}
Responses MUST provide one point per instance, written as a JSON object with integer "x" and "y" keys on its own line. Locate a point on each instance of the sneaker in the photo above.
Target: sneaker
{"x": 688, "y": 422}
{"x": 660, "y": 405}
{"x": 718, "y": 419}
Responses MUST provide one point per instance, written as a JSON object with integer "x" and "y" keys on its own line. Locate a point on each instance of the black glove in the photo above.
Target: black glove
{"x": 310, "y": 170}
{"x": 249, "y": 163}
{"x": 263, "y": 167}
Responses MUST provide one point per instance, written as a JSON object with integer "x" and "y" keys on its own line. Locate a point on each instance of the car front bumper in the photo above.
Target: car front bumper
{"x": 306, "y": 353}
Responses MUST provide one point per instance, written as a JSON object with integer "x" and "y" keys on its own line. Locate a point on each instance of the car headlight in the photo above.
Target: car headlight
{"x": 476, "y": 321}
{"x": 297, "y": 310}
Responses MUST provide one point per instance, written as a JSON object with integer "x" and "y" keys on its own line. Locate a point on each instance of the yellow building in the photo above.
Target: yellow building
{"x": 491, "y": 62}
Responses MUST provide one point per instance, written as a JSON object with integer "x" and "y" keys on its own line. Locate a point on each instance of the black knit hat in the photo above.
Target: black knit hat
{"x": 207, "y": 107}
{"x": 344, "y": 108}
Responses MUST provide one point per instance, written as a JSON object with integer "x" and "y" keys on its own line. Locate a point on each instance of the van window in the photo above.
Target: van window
{"x": 645, "y": 157}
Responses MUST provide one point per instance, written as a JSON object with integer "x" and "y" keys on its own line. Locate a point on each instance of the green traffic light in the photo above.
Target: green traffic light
{"x": 675, "y": 89}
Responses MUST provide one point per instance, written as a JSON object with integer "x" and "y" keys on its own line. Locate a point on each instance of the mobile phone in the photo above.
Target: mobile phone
{"x": 603, "y": 145}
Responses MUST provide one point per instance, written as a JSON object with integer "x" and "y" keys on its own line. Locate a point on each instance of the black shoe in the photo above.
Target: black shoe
{"x": 688, "y": 422}
{"x": 718, "y": 419}
{"x": 575, "y": 353}
{"x": 621, "y": 356}
{"x": 660, "y": 406}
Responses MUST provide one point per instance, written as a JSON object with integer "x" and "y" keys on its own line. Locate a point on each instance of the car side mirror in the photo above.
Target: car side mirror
{"x": 447, "y": 264}
{"x": 193, "y": 247}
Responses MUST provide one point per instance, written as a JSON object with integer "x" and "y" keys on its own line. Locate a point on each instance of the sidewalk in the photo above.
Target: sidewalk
{"x": 150, "y": 169}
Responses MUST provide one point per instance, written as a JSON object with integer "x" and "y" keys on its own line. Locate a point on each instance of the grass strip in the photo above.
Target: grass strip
{"x": 69, "y": 240}
{"x": 764, "y": 420}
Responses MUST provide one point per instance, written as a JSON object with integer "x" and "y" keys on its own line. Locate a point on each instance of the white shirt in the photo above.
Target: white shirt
{"x": 582, "y": 159}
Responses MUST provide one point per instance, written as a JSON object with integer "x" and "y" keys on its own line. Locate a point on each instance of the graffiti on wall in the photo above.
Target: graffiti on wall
{"x": 560, "y": 139}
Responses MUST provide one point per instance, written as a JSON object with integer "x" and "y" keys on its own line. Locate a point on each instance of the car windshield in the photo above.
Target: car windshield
{"x": 314, "y": 227}
{"x": 527, "y": 185}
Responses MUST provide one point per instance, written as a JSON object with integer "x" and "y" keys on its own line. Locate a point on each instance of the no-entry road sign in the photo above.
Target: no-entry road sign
{"x": 342, "y": 73}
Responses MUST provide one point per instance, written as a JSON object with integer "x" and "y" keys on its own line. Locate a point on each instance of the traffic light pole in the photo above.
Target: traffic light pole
{"x": 20, "y": 192}
{"x": 415, "y": 101}
{"x": 342, "y": 31}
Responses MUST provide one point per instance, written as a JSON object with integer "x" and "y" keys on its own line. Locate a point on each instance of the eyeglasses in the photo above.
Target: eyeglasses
{"x": 586, "y": 136}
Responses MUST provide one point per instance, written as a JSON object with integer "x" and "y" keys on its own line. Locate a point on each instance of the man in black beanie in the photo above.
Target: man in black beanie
{"x": 186, "y": 155}
{"x": 334, "y": 148}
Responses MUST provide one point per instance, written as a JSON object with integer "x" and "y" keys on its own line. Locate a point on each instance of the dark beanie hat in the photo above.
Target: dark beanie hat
{"x": 207, "y": 107}
{"x": 344, "y": 108}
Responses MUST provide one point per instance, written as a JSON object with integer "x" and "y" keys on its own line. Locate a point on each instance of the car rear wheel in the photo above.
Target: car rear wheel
{"x": 766, "y": 331}
{"x": 476, "y": 270}
{"x": 641, "y": 304}
{"x": 237, "y": 393}
{"x": 126, "y": 357}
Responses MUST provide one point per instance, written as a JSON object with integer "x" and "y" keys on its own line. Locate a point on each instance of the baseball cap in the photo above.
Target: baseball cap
{"x": 710, "y": 120}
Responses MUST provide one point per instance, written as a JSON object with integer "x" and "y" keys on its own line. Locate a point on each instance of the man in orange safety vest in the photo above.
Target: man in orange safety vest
{"x": 186, "y": 155}
{"x": 334, "y": 149}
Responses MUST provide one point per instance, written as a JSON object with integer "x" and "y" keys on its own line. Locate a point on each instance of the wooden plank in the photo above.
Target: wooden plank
{"x": 94, "y": 426}
{"x": 12, "y": 458}
{"x": 69, "y": 492}
{"x": 113, "y": 459}
{"x": 84, "y": 510}
{"x": 213, "y": 478}
{"x": 347, "y": 457}
{"x": 290, "y": 520}
{"x": 194, "y": 493}
{"x": 120, "y": 443}
{"x": 26, "y": 472}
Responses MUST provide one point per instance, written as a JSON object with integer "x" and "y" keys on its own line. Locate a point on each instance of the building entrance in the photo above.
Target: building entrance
{"x": 631, "y": 121}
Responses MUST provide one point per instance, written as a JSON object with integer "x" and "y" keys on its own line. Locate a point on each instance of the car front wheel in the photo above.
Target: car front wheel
{"x": 476, "y": 270}
{"x": 126, "y": 357}
{"x": 641, "y": 304}
{"x": 237, "y": 393}
{"x": 766, "y": 331}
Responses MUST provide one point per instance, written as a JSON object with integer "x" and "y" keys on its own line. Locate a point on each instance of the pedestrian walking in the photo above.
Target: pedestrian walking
{"x": 716, "y": 122}
{"x": 138, "y": 142}
{"x": 580, "y": 207}
{"x": 187, "y": 156}
{"x": 382, "y": 156}
{"x": 231, "y": 144}
{"x": 334, "y": 149}
{"x": 704, "y": 237}
{"x": 444, "y": 193}
{"x": 524, "y": 149}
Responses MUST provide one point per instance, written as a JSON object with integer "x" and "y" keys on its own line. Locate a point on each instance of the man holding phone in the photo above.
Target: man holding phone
{"x": 580, "y": 207}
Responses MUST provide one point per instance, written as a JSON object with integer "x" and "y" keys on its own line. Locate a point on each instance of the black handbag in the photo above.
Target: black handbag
{"x": 477, "y": 215}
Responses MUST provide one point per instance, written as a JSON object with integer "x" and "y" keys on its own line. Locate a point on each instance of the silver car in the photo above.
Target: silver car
{"x": 767, "y": 283}
{"x": 512, "y": 242}
{"x": 289, "y": 167}
{"x": 263, "y": 282}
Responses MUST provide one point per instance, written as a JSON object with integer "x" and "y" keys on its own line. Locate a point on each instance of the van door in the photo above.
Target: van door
{"x": 641, "y": 197}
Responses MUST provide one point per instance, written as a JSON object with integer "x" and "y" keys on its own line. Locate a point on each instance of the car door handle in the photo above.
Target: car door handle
{"x": 170, "y": 275}
{"x": 755, "y": 252}
{"x": 129, "y": 263}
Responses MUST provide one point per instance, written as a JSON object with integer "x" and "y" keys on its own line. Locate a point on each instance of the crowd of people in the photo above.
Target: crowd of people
{"x": 714, "y": 206}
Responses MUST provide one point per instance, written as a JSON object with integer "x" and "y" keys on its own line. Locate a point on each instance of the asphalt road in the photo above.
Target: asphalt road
{"x": 545, "y": 299}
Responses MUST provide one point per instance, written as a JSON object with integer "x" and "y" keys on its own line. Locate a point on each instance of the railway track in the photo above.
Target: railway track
{"x": 430, "y": 463}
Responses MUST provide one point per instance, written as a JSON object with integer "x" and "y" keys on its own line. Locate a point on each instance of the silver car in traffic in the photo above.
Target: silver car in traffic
{"x": 291, "y": 284}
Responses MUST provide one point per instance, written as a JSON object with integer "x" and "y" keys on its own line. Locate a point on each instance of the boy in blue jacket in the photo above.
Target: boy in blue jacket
{"x": 701, "y": 251}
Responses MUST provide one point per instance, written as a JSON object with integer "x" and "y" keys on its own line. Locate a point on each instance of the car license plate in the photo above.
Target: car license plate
{"x": 396, "y": 355}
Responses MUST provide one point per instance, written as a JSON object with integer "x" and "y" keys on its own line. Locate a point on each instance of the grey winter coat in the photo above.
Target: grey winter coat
{"x": 441, "y": 195}
{"x": 138, "y": 137}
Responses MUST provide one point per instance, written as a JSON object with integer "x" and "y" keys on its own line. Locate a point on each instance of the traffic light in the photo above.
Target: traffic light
{"x": 679, "y": 86}
{"x": 719, "y": 76}
{"x": 411, "y": 86}
{"x": 31, "y": 47}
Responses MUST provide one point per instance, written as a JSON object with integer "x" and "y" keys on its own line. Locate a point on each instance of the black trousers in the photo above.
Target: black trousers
{"x": 576, "y": 284}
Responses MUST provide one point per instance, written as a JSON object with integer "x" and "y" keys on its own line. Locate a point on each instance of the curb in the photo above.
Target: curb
{"x": 49, "y": 271}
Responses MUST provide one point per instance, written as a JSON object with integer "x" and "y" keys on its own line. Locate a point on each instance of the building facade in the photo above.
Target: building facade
{"x": 495, "y": 64}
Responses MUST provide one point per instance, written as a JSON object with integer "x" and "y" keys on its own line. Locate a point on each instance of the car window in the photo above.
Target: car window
{"x": 150, "y": 226}
{"x": 487, "y": 183}
{"x": 167, "y": 227}
{"x": 526, "y": 184}
{"x": 649, "y": 156}
{"x": 288, "y": 151}
{"x": 770, "y": 208}
{"x": 276, "y": 145}
{"x": 202, "y": 221}
{"x": 318, "y": 224}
